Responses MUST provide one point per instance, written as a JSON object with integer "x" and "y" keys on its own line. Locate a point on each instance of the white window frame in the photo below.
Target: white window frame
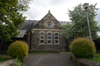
{"x": 42, "y": 39}
{"x": 49, "y": 39}
{"x": 56, "y": 39}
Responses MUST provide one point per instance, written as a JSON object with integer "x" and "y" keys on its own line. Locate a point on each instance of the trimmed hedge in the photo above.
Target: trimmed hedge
{"x": 18, "y": 49}
{"x": 82, "y": 47}
{"x": 97, "y": 44}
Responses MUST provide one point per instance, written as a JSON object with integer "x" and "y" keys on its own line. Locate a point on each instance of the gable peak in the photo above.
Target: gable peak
{"x": 48, "y": 11}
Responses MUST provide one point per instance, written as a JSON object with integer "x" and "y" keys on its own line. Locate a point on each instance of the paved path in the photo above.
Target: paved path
{"x": 52, "y": 59}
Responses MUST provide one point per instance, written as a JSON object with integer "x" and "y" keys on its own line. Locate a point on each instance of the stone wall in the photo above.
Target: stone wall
{"x": 7, "y": 63}
{"x": 85, "y": 62}
{"x": 36, "y": 46}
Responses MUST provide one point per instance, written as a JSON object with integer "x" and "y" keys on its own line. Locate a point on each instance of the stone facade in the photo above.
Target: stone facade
{"x": 48, "y": 24}
{"x": 38, "y": 47}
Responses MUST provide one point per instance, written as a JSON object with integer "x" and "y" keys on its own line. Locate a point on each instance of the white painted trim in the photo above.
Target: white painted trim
{"x": 48, "y": 29}
{"x": 56, "y": 39}
{"x": 42, "y": 39}
{"x": 49, "y": 39}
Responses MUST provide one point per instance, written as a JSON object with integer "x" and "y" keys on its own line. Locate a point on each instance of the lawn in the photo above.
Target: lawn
{"x": 4, "y": 58}
{"x": 97, "y": 58}
{"x": 39, "y": 52}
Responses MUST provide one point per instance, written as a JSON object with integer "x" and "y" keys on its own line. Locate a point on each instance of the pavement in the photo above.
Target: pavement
{"x": 50, "y": 59}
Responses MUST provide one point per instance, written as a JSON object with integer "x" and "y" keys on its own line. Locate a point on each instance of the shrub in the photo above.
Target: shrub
{"x": 18, "y": 49}
{"x": 97, "y": 44}
{"x": 82, "y": 47}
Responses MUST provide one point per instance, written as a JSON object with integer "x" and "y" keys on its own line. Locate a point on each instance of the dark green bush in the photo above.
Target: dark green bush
{"x": 82, "y": 47}
{"x": 18, "y": 49}
{"x": 97, "y": 44}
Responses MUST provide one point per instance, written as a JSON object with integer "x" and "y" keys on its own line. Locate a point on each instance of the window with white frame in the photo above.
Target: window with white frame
{"x": 49, "y": 38}
{"x": 41, "y": 38}
{"x": 56, "y": 38}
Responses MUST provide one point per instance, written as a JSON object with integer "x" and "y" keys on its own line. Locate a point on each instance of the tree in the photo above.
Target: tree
{"x": 78, "y": 25}
{"x": 11, "y": 18}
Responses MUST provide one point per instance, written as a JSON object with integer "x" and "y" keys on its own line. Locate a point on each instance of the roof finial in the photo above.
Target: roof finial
{"x": 49, "y": 11}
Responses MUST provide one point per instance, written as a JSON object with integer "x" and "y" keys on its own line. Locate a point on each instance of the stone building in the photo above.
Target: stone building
{"x": 44, "y": 34}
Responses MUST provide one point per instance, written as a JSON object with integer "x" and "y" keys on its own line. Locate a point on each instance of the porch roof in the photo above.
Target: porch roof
{"x": 21, "y": 34}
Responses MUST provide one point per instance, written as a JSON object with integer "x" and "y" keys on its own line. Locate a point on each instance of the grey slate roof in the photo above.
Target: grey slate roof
{"x": 28, "y": 25}
{"x": 21, "y": 34}
{"x": 63, "y": 22}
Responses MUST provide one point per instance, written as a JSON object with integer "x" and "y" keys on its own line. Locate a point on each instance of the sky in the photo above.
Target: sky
{"x": 59, "y": 8}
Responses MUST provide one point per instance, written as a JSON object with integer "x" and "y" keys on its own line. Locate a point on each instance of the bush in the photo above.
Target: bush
{"x": 18, "y": 49}
{"x": 82, "y": 47}
{"x": 97, "y": 44}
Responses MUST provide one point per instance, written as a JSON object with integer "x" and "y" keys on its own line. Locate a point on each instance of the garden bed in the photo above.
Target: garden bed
{"x": 4, "y": 58}
{"x": 85, "y": 62}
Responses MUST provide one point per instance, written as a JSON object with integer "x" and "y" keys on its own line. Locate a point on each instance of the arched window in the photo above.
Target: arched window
{"x": 41, "y": 38}
{"x": 49, "y": 38}
{"x": 56, "y": 38}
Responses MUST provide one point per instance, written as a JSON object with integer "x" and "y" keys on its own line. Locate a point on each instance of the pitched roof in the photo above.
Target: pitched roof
{"x": 28, "y": 24}
{"x": 21, "y": 34}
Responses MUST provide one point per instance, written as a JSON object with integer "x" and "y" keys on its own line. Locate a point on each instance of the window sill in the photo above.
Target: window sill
{"x": 41, "y": 44}
{"x": 49, "y": 44}
{"x": 56, "y": 44}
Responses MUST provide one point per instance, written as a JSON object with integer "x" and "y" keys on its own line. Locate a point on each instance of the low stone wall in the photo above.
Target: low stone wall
{"x": 7, "y": 63}
{"x": 85, "y": 62}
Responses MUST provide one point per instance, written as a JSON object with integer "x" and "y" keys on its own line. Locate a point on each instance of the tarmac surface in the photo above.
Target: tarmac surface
{"x": 50, "y": 59}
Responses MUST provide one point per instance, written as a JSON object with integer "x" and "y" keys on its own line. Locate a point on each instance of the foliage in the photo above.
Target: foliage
{"x": 97, "y": 58}
{"x": 3, "y": 58}
{"x": 79, "y": 23}
{"x": 17, "y": 63}
{"x": 82, "y": 47}
{"x": 11, "y": 17}
{"x": 18, "y": 49}
{"x": 97, "y": 44}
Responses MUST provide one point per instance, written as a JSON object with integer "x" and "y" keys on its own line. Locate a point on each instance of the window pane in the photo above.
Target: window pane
{"x": 49, "y": 37}
{"x": 56, "y": 37}
{"x": 49, "y": 24}
{"x": 56, "y": 41}
{"x": 49, "y": 33}
{"x": 56, "y": 33}
{"x": 41, "y": 41}
{"x": 41, "y": 37}
{"x": 42, "y": 34}
{"x": 49, "y": 41}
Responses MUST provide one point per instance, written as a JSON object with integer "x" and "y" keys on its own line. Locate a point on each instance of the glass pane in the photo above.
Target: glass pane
{"x": 41, "y": 37}
{"x": 49, "y": 37}
{"x": 49, "y": 41}
{"x": 56, "y": 33}
{"x": 56, "y": 37}
{"x": 49, "y": 24}
{"x": 56, "y": 41}
{"x": 42, "y": 34}
{"x": 41, "y": 41}
{"x": 49, "y": 33}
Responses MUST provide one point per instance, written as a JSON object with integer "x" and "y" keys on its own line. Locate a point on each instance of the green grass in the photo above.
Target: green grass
{"x": 39, "y": 52}
{"x": 97, "y": 58}
{"x": 2, "y": 58}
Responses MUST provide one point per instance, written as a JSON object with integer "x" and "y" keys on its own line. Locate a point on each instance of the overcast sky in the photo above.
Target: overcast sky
{"x": 59, "y": 8}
